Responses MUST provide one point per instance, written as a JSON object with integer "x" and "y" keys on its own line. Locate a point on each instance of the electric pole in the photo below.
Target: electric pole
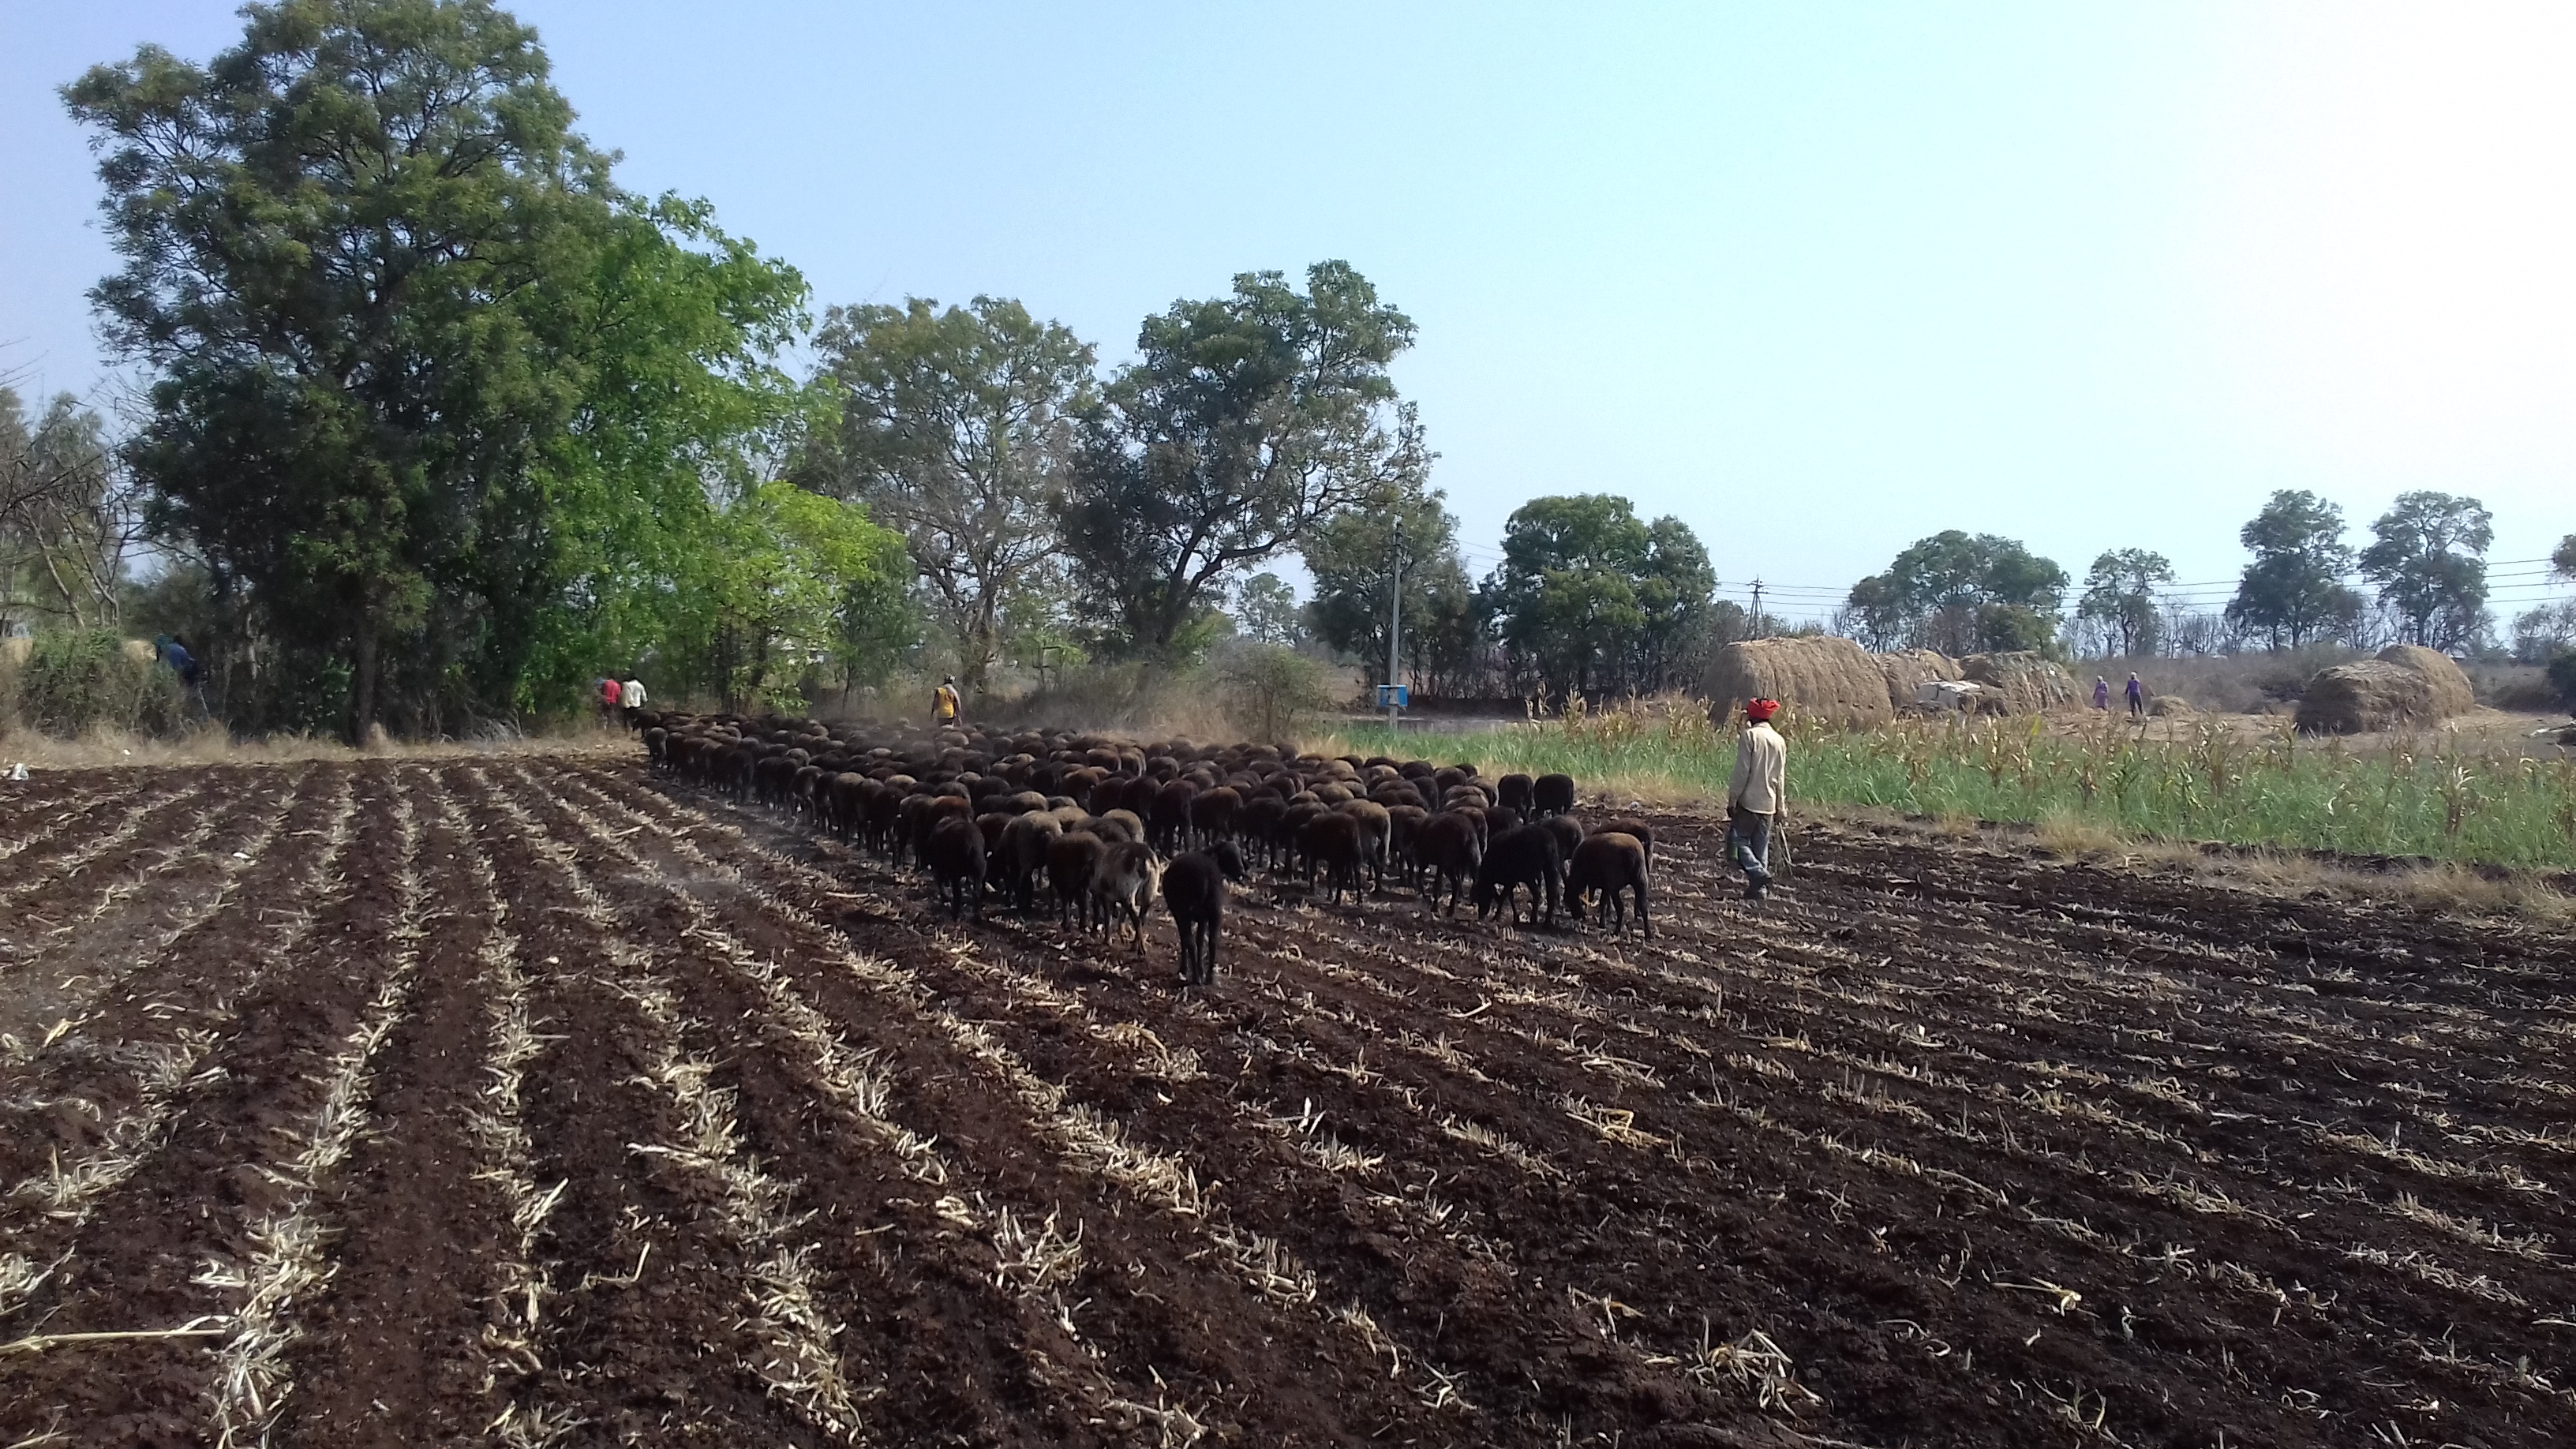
{"x": 1757, "y": 609}
{"x": 1394, "y": 616}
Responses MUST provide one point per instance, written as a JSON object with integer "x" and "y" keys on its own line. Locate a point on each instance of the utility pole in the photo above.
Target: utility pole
{"x": 1394, "y": 616}
{"x": 1757, "y": 609}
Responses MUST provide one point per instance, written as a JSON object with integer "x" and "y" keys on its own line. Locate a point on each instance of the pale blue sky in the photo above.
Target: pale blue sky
{"x": 1819, "y": 279}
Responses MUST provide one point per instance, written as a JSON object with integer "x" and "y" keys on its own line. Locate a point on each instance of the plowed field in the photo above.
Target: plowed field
{"x": 534, "y": 1101}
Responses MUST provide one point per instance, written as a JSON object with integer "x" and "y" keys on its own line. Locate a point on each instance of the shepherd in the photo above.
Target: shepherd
{"x": 631, "y": 696}
{"x": 1756, "y": 793}
{"x": 2101, "y": 693}
{"x": 943, "y": 701}
{"x": 608, "y": 696}
{"x": 2137, "y": 698}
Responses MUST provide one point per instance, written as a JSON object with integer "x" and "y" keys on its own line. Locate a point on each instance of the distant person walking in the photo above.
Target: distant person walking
{"x": 2101, "y": 693}
{"x": 2137, "y": 698}
{"x": 608, "y": 693}
{"x": 631, "y": 696}
{"x": 943, "y": 701}
{"x": 1756, "y": 794}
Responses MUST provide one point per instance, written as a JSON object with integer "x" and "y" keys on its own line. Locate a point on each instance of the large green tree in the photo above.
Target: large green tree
{"x": 1960, "y": 594}
{"x": 2563, "y": 561}
{"x": 2428, "y": 557}
{"x": 1350, "y": 556}
{"x": 442, "y": 413}
{"x": 1244, "y": 423}
{"x": 2293, "y": 593}
{"x": 958, "y": 431}
{"x": 1593, "y": 597}
{"x": 2120, "y": 594}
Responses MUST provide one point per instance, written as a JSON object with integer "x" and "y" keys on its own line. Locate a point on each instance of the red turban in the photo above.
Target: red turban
{"x": 1761, "y": 709}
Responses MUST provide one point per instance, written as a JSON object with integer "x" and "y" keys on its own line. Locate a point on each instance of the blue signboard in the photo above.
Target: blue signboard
{"x": 1394, "y": 696}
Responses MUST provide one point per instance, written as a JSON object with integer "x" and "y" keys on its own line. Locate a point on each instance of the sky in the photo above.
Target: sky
{"x": 1817, "y": 279}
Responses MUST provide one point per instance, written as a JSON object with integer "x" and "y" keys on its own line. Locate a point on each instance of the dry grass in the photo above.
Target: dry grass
{"x": 211, "y": 744}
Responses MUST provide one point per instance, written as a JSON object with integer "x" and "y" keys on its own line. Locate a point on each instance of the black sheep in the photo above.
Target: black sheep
{"x": 1524, "y": 857}
{"x": 1448, "y": 847}
{"x": 1194, "y": 891}
{"x": 1551, "y": 795}
{"x": 957, "y": 864}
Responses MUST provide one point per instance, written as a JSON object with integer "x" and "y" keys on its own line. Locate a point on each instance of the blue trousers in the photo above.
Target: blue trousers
{"x": 1748, "y": 834}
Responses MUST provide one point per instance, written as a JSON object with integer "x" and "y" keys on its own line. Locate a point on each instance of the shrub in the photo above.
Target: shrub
{"x": 77, "y": 681}
{"x": 2562, "y": 677}
{"x": 1270, "y": 686}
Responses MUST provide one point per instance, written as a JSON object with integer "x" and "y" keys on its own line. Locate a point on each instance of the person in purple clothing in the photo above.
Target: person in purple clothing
{"x": 2101, "y": 692}
{"x": 2137, "y": 698}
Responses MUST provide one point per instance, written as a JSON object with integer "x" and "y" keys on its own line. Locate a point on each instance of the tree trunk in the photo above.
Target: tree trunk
{"x": 362, "y": 680}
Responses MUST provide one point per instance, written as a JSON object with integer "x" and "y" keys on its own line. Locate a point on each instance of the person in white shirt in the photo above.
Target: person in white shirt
{"x": 631, "y": 695}
{"x": 1756, "y": 794}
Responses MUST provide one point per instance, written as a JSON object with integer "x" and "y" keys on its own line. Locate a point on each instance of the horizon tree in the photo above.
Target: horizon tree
{"x": 958, "y": 430}
{"x": 2293, "y": 592}
{"x": 2428, "y": 558}
{"x": 1349, "y": 555}
{"x": 1245, "y": 422}
{"x": 1960, "y": 594}
{"x": 2120, "y": 594}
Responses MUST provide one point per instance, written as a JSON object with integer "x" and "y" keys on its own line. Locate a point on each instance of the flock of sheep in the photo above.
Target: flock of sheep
{"x": 1100, "y": 827}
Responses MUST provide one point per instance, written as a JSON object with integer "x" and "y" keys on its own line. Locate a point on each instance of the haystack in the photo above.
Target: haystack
{"x": 2170, "y": 706}
{"x": 1907, "y": 668}
{"x": 2405, "y": 686}
{"x": 1820, "y": 678}
{"x": 2024, "y": 682}
{"x": 2452, "y": 695}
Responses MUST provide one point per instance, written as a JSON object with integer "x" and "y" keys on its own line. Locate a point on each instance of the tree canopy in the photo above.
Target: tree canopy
{"x": 1244, "y": 423}
{"x": 958, "y": 430}
{"x": 2120, "y": 594}
{"x": 2428, "y": 558}
{"x": 439, "y": 410}
{"x": 1960, "y": 594}
{"x": 63, "y": 524}
{"x": 1595, "y": 598}
{"x": 2293, "y": 592}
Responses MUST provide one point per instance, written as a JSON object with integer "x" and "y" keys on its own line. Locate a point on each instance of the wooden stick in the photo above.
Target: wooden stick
{"x": 38, "y": 1343}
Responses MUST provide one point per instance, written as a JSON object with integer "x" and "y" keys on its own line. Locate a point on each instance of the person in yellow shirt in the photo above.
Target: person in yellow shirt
{"x": 1756, "y": 794}
{"x": 943, "y": 701}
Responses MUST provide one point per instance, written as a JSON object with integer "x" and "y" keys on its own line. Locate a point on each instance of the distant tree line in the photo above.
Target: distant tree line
{"x": 443, "y": 424}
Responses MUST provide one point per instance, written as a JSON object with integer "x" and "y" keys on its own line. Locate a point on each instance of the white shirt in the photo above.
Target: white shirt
{"x": 631, "y": 694}
{"x": 1761, "y": 779}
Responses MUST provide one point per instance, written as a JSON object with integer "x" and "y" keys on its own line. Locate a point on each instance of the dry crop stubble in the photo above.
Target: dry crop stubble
{"x": 1944, "y": 1146}
{"x": 131, "y": 1090}
{"x": 1095, "y": 1142}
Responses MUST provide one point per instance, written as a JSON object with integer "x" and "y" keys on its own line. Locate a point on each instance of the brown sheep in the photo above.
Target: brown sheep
{"x": 1609, "y": 863}
{"x": 1073, "y": 858}
{"x": 1450, "y": 851}
{"x": 1624, "y": 826}
{"x": 1335, "y": 843}
{"x": 1376, "y": 826}
{"x": 1512, "y": 792}
{"x": 1024, "y": 854}
{"x": 1123, "y": 885}
{"x": 956, "y": 854}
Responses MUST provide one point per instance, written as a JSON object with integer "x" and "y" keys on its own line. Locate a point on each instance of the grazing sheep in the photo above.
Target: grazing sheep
{"x": 1403, "y": 828}
{"x": 1122, "y": 885}
{"x": 956, "y": 852}
{"x": 1073, "y": 858}
{"x": 1119, "y": 825}
{"x": 1336, "y": 843}
{"x": 1212, "y": 813}
{"x": 1524, "y": 857}
{"x": 1449, "y": 848}
{"x": 1500, "y": 819}
{"x": 1569, "y": 833}
{"x": 1609, "y": 862}
{"x": 1376, "y": 825}
{"x": 1024, "y": 854}
{"x": 1169, "y": 815}
{"x": 1512, "y": 792}
{"x": 1552, "y": 794}
{"x": 1194, "y": 892}
{"x": 1644, "y": 833}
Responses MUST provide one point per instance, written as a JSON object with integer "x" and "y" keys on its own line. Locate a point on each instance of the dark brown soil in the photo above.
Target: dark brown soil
{"x": 1944, "y": 1145}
